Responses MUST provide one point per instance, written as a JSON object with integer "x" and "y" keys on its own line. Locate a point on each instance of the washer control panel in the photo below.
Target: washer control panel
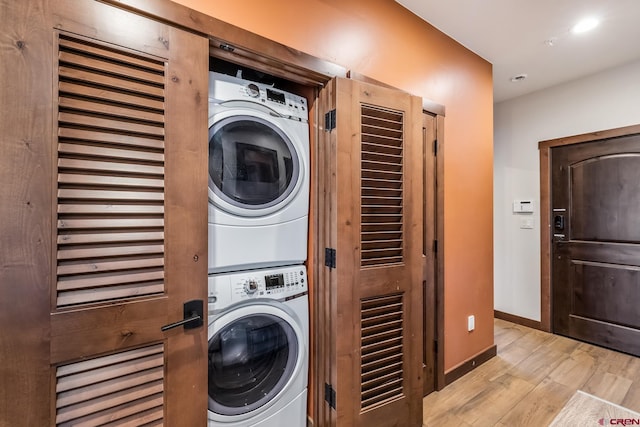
{"x": 276, "y": 283}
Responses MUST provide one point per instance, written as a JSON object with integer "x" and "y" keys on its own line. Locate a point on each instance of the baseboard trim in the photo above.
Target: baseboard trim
{"x": 469, "y": 365}
{"x": 517, "y": 320}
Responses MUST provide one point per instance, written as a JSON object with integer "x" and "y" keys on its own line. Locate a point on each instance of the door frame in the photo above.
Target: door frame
{"x": 234, "y": 44}
{"x": 545, "y": 209}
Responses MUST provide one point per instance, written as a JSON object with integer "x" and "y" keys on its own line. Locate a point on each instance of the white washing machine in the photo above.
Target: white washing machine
{"x": 258, "y": 175}
{"x": 258, "y": 348}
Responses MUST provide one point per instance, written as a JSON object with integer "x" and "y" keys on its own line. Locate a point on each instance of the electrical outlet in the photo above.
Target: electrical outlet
{"x": 471, "y": 323}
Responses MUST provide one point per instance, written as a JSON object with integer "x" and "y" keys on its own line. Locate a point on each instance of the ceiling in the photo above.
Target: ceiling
{"x": 533, "y": 37}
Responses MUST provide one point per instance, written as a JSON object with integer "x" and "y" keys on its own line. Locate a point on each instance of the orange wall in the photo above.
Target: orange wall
{"x": 381, "y": 39}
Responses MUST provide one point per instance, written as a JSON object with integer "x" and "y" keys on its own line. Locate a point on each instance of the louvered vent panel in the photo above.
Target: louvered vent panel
{"x": 110, "y": 174}
{"x": 121, "y": 389}
{"x": 381, "y": 231}
{"x": 381, "y": 350}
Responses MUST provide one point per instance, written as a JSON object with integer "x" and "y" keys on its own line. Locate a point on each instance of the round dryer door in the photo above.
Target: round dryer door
{"x": 252, "y": 358}
{"x": 253, "y": 165}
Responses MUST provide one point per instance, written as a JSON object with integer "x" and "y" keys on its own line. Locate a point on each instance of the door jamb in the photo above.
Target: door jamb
{"x": 439, "y": 255}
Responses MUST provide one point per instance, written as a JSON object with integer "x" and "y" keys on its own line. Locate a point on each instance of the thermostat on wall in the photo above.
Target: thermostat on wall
{"x": 523, "y": 206}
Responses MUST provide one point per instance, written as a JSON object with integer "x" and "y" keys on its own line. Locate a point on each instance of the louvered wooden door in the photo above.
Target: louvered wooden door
{"x": 374, "y": 222}
{"x": 127, "y": 179}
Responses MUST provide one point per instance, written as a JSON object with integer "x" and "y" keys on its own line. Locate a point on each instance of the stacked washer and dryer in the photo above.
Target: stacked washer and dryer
{"x": 258, "y": 324}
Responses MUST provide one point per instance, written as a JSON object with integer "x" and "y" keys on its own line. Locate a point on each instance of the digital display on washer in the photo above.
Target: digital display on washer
{"x": 272, "y": 95}
{"x": 274, "y": 281}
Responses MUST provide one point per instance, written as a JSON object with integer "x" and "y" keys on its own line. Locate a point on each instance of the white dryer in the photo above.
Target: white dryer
{"x": 258, "y": 348}
{"x": 258, "y": 175}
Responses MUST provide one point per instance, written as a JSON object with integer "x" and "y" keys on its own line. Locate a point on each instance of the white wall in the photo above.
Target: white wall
{"x": 602, "y": 101}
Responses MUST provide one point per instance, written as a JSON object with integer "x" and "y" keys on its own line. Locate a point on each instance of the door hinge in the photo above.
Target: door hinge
{"x": 435, "y": 147}
{"x": 435, "y": 246}
{"x": 330, "y": 121}
{"x": 330, "y": 257}
{"x": 330, "y": 395}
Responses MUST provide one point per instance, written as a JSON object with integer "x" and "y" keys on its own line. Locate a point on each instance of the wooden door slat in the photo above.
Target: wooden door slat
{"x": 377, "y": 336}
{"x": 108, "y": 109}
{"x": 123, "y": 71}
{"x": 110, "y": 401}
{"x": 377, "y": 398}
{"x": 97, "y": 194}
{"x": 108, "y": 81}
{"x": 104, "y": 388}
{"x": 102, "y": 51}
{"x": 110, "y": 209}
{"x": 100, "y": 252}
{"x": 110, "y": 360}
{"x": 111, "y": 95}
{"x": 107, "y": 223}
{"x": 87, "y": 296}
{"x": 110, "y": 237}
{"x": 122, "y": 125}
{"x": 101, "y": 166}
{"x": 143, "y": 418}
{"x": 113, "y": 153}
{"x": 104, "y": 266}
{"x": 107, "y": 279}
{"x": 105, "y": 137}
{"x": 372, "y": 147}
{"x": 96, "y": 372}
{"x": 110, "y": 181}
{"x": 379, "y": 372}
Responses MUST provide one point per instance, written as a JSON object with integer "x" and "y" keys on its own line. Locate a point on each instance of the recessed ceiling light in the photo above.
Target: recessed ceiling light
{"x": 585, "y": 25}
{"x": 518, "y": 78}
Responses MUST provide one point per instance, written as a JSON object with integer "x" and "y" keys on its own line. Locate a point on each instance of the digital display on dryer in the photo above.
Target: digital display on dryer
{"x": 272, "y": 95}
{"x": 274, "y": 281}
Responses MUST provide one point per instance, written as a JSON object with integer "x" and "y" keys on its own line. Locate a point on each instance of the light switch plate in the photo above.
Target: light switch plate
{"x": 526, "y": 223}
{"x": 471, "y": 323}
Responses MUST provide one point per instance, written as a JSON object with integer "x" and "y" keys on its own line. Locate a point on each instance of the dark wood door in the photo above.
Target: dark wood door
{"x": 596, "y": 242}
{"x": 373, "y": 219}
{"x": 108, "y": 197}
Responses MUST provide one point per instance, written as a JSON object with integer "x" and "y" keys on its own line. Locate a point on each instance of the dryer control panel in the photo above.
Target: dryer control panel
{"x": 223, "y": 88}
{"x": 276, "y": 283}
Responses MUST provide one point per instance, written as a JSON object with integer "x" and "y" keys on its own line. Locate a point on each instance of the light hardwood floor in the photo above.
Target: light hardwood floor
{"x": 530, "y": 380}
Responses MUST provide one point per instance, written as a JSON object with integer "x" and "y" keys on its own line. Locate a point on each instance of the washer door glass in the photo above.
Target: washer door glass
{"x": 250, "y": 361}
{"x": 252, "y": 163}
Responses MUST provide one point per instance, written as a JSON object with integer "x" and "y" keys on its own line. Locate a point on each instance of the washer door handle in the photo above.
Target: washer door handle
{"x": 193, "y": 315}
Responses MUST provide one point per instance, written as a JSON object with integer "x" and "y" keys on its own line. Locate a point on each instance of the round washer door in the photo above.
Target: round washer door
{"x": 254, "y": 166}
{"x": 254, "y": 353}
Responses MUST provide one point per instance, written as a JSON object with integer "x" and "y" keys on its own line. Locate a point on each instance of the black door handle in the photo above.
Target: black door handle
{"x": 193, "y": 316}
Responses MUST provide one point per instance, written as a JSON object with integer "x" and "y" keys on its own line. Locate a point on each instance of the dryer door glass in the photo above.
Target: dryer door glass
{"x": 250, "y": 361}
{"x": 252, "y": 163}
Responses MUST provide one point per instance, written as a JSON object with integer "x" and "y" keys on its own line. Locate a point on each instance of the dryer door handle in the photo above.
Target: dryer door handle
{"x": 193, "y": 315}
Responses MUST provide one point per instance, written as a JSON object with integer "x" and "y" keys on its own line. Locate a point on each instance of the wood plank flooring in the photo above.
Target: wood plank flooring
{"x": 531, "y": 379}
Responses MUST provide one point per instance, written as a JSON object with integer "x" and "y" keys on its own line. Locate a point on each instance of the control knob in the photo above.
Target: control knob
{"x": 253, "y": 90}
{"x": 251, "y": 286}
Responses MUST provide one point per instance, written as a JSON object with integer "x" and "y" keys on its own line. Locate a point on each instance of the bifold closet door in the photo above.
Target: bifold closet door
{"x": 372, "y": 287}
{"x": 120, "y": 187}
